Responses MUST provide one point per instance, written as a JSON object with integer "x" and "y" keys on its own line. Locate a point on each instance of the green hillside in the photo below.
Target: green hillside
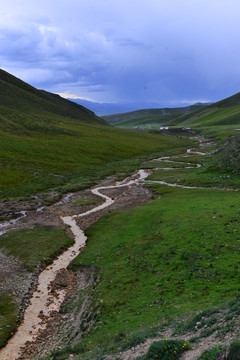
{"x": 50, "y": 143}
{"x": 165, "y": 270}
{"x": 22, "y": 104}
{"x": 227, "y": 158}
{"x": 150, "y": 118}
{"x": 224, "y": 112}
{"x": 218, "y": 119}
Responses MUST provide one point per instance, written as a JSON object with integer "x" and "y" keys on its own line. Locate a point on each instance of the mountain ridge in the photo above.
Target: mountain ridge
{"x": 18, "y": 96}
{"x": 225, "y": 112}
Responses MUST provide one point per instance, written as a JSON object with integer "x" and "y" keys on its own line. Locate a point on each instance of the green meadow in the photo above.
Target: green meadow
{"x": 173, "y": 257}
{"x": 35, "y": 246}
{"x": 40, "y": 162}
{"x": 162, "y": 263}
{"x": 50, "y": 144}
{"x": 218, "y": 120}
{"x": 8, "y": 318}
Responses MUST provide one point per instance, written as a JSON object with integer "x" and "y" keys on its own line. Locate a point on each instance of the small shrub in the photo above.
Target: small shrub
{"x": 139, "y": 337}
{"x": 234, "y": 350}
{"x": 209, "y": 331}
{"x": 211, "y": 354}
{"x": 167, "y": 350}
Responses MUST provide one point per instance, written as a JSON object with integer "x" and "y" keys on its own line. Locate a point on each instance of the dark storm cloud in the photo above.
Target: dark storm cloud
{"x": 166, "y": 51}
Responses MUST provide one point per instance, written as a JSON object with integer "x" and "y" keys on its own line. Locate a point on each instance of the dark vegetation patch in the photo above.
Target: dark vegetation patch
{"x": 227, "y": 160}
{"x": 166, "y": 350}
{"x": 8, "y": 318}
{"x": 234, "y": 350}
{"x": 212, "y": 354}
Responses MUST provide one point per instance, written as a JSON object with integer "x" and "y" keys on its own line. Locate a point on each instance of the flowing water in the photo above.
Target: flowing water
{"x": 42, "y": 302}
{"x": 5, "y": 225}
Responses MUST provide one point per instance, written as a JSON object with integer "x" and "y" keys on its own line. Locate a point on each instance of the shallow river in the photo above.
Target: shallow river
{"x": 42, "y": 302}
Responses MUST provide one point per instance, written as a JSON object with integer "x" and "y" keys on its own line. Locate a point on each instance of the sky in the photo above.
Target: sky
{"x": 170, "y": 52}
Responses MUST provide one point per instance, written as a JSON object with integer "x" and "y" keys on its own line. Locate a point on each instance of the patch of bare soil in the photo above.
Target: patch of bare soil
{"x": 75, "y": 318}
{"x": 60, "y": 325}
{"x": 16, "y": 281}
{"x": 223, "y": 332}
{"x": 125, "y": 198}
{"x": 196, "y": 349}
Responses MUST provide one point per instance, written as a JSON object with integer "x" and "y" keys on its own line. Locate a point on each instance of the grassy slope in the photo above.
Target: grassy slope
{"x": 41, "y": 161}
{"x": 155, "y": 265}
{"x": 39, "y": 245}
{"x": 227, "y": 158}
{"x": 150, "y": 117}
{"x": 48, "y": 142}
{"x": 21, "y": 99}
{"x": 8, "y": 318}
{"x": 220, "y": 119}
{"x": 220, "y": 170}
{"x": 32, "y": 247}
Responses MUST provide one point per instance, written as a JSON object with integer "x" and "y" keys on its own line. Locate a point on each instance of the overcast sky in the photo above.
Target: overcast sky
{"x": 169, "y": 51}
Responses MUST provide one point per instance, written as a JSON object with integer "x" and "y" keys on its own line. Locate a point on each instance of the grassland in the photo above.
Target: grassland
{"x": 50, "y": 144}
{"x": 42, "y": 162}
{"x": 8, "y": 318}
{"x": 207, "y": 176}
{"x": 154, "y": 265}
{"x": 36, "y": 246}
{"x": 33, "y": 248}
{"x": 218, "y": 120}
{"x": 169, "y": 259}
{"x": 220, "y": 170}
{"x": 150, "y": 118}
{"x": 173, "y": 258}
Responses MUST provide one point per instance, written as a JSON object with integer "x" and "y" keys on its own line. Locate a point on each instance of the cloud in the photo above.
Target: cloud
{"x": 124, "y": 50}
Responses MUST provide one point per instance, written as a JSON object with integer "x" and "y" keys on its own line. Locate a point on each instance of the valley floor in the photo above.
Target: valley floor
{"x": 167, "y": 268}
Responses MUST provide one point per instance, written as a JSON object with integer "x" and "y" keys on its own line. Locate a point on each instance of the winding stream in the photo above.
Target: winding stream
{"x": 42, "y": 302}
{"x": 5, "y": 225}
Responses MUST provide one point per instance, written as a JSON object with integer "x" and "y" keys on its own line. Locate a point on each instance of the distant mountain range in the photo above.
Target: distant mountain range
{"x": 102, "y": 109}
{"x": 225, "y": 113}
{"x": 148, "y": 118}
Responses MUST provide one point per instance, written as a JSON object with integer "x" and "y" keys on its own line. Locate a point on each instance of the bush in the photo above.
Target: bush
{"x": 212, "y": 354}
{"x": 234, "y": 350}
{"x": 166, "y": 350}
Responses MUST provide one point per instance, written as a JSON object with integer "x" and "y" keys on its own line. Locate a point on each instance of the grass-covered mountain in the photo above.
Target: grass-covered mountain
{"x": 224, "y": 112}
{"x": 23, "y": 106}
{"x": 221, "y": 118}
{"x": 148, "y": 118}
{"x": 48, "y": 142}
